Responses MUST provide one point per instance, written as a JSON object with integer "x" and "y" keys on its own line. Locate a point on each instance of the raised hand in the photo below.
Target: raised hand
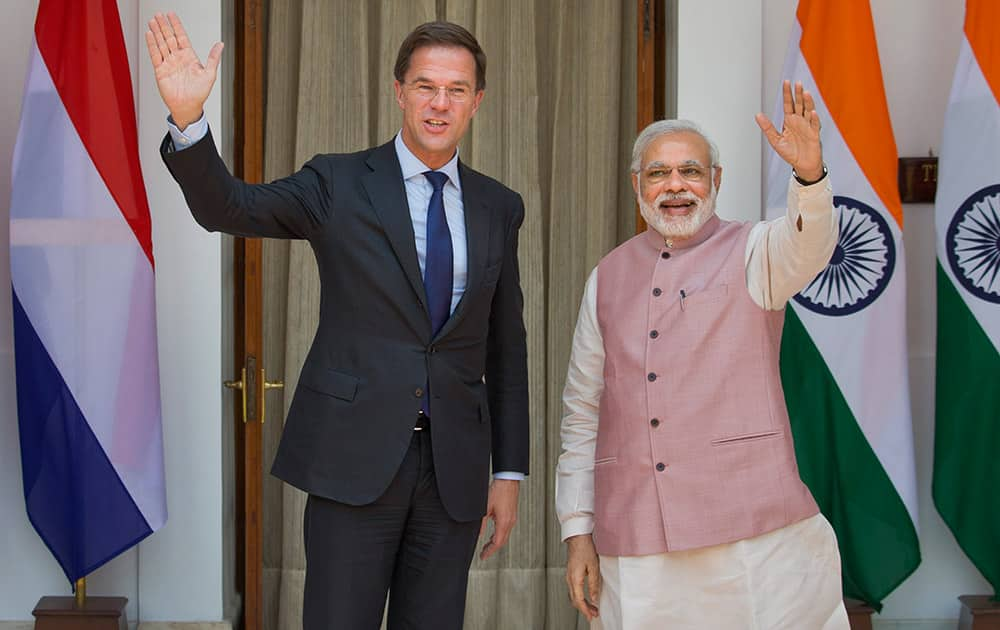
{"x": 798, "y": 141}
{"x": 183, "y": 81}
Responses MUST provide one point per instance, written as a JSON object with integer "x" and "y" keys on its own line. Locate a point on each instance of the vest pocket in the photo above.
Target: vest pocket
{"x": 691, "y": 298}
{"x": 746, "y": 437}
{"x": 605, "y": 460}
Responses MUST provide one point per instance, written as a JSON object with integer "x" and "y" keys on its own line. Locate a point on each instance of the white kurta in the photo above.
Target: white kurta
{"x": 788, "y": 578}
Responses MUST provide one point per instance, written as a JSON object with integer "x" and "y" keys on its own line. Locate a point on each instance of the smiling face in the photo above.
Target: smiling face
{"x": 676, "y": 184}
{"x": 435, "y": 121}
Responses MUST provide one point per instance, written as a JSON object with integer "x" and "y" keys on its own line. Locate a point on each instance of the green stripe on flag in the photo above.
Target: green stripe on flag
{"x": 967, "y": 432}
{"x": 878, "y": 544}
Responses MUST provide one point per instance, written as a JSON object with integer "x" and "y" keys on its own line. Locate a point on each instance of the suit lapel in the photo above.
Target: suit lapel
{"x": 387, "y": 194}
{"x": 477, "y": 238}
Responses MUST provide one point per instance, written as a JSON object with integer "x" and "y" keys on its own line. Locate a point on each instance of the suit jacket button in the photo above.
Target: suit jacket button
{"x": 655, "y": 422}
{"x": 661, "y": 467}
{"x": 419, "y": 392}
{"x": 431, "y": 350}
{"x": 651, "y": 377}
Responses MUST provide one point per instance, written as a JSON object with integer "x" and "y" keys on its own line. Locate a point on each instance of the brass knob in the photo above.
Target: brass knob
{"x": 263, "y": 399}
{"x": 240, "y": 386}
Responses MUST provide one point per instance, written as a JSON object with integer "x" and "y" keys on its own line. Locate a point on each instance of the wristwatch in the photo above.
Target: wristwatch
{"x": 808, "y": 183}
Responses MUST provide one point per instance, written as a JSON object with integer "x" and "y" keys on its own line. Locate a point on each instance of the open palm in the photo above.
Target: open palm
{"x": 183, "y": 81}
{"x": 798, "y": 142}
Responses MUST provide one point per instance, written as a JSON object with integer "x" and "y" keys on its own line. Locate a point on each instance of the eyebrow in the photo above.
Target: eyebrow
{"x": 660, "y": 164}
{"x": 460, "y": 82}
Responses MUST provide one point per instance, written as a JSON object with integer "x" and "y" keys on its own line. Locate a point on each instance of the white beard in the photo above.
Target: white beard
{"x": 678, "y": 227}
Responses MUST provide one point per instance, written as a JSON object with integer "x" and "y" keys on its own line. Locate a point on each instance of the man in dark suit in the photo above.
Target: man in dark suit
{"x": 417, "y": 375}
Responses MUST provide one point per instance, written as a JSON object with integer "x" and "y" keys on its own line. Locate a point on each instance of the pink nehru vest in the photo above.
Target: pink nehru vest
{"x": 693, "y": 446}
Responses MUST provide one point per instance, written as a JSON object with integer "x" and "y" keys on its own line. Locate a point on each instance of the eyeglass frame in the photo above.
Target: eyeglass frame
{"x": 466, "y": 93}
{"x": 700, "y": 177}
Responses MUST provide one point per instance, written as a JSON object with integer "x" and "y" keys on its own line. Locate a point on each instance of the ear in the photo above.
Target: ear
{"x": 718, "y": 177}
{"x": 635, "y": 184}
{"x": 399, "y": 93}
{"x": 476, "y": 101}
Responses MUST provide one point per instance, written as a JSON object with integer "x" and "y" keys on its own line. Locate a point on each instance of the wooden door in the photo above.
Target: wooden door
{"x": 250, "y": 382}
{"x": 651, "y": 70}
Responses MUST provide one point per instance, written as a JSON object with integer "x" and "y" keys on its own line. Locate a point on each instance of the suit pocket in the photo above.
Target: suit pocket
{"x": 330, "y": 382}
{"x": 746, "y": 437}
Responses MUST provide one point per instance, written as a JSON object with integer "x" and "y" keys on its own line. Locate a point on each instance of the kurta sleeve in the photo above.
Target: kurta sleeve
{"x": 784, "y": 255}
{"x": 578, "y": 431}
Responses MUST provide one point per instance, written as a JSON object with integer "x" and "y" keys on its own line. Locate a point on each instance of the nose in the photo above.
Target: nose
{"x": 441, "y": 99}
{"x": 674, "y": 182}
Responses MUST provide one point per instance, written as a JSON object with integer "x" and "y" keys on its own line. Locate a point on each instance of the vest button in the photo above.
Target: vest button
{"x": 653, "y": 334}
{"x": 661, "y": 467}
{"x": 665, "y": 255}
{"x": 651, "y": 376}
{"x": 657, "y": 291}
{"x": 655, "y": 422}
{"x": 419, "y": 392}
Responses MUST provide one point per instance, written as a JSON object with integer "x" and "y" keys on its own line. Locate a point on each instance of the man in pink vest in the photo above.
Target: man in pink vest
{"x": 677, "y": 488}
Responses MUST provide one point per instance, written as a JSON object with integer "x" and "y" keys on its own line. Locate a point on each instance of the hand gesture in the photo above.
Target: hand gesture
{"x": 582, "y": 565}
{"x": 798, "y": 142}
{"x": 184, "y": 83}
{"x": 501, "y": 508}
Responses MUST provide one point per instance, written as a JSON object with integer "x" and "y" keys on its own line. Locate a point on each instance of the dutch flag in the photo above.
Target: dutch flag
{"x": 81, "y": 251}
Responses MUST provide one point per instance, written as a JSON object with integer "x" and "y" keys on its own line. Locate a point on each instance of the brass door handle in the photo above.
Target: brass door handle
{"x": 263, "y": 399}
{"x": 240, "y": 385}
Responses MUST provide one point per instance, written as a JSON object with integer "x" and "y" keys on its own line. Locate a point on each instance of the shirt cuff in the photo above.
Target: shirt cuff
{"x": 812, "y": 190}
{"x": 191, "y": 134}
{"x": 512, "y": 476}
{"x": 577, "y": 526}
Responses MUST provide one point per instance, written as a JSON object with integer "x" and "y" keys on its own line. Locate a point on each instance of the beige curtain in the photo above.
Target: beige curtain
{"x": 556, "y": 125}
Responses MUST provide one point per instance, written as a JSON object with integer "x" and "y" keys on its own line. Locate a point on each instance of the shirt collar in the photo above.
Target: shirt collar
{"x": 411, "y": 165}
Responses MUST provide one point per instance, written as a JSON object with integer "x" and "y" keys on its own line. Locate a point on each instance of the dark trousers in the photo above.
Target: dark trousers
{"x": 404, "y": 544}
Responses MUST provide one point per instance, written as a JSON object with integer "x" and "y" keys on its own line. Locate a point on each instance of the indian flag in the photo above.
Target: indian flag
{"x": 966, "y": 473}
{"x": 843, "y": 355}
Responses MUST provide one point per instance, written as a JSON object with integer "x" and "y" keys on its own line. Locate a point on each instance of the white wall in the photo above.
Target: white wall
{"x": 719, "y": 87}
{"x": 724, "y": 46}
{"x": 176, "y": 574}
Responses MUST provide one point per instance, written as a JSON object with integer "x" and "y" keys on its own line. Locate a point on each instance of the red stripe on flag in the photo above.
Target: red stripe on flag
{"x": 838, "y": 44}
{"x": 84, "y": 51}
{"x": 981, "y": 20}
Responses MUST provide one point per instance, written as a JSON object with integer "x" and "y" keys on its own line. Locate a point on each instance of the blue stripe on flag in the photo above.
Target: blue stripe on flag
{"x": 75, "y": 499}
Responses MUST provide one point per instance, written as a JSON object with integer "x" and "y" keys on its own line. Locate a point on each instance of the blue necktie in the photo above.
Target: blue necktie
{"x": 438, "y": 260}
{"x": 437, "y": 264}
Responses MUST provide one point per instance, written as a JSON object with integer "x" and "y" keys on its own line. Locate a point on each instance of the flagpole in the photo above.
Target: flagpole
{"x": 81, "y": 592}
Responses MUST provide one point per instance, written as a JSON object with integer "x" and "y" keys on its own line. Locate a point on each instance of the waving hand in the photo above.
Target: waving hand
{"x": 183, "y": 81}
{"x": 798, "y": 141}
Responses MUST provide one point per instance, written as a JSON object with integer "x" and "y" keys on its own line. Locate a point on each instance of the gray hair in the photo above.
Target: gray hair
{"x": 665, "y": 127}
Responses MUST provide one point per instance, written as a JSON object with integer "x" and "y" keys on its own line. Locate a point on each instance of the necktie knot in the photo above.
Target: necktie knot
{"x": 437, "y": 179}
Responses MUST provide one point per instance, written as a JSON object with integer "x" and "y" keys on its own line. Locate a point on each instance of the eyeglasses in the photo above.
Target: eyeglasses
{"x": 659, "y": 173}
{"x": 429, "y": 91}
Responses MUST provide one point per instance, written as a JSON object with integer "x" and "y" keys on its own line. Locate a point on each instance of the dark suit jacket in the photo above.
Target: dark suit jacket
{"x": 352, "y": 416}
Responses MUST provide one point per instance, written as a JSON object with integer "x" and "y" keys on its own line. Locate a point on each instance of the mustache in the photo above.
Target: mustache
{"x": 681, "y": 196}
